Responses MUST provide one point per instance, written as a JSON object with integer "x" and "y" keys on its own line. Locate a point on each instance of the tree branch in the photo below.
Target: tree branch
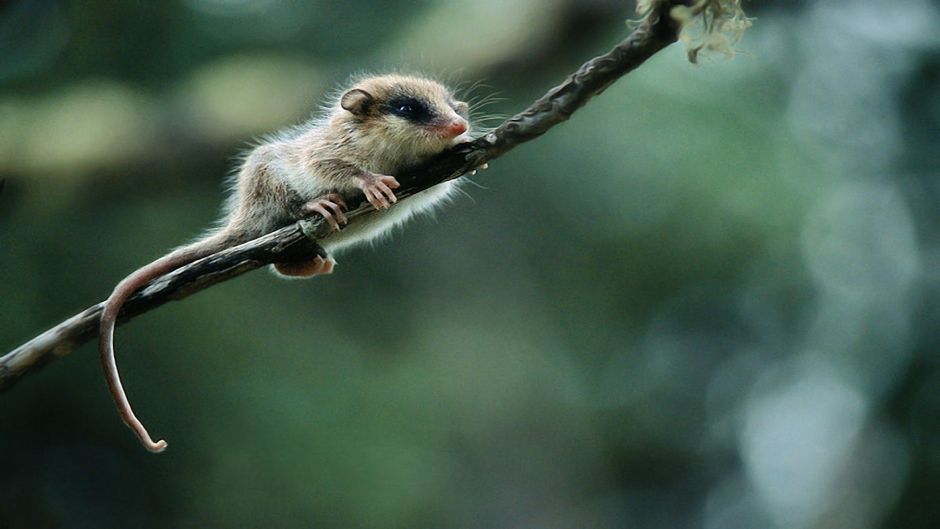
{"x": 297, "y": 241}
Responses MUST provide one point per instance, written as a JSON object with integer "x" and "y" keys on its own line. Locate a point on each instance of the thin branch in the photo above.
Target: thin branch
{"x": 297, "y": 241}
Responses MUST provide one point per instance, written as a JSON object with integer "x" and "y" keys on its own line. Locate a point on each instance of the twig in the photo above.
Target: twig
{"x": 297, "y": 241}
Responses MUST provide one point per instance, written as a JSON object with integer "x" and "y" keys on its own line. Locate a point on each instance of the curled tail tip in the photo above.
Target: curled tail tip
{"x": 157, "y": 447}
{"x": 145, "y": 439}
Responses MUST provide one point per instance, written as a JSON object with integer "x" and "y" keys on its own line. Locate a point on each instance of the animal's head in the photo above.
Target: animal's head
{"x": 417, "y": 115}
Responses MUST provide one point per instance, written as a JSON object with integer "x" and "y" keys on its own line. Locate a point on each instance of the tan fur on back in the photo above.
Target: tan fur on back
{"x": 303, "y": 163}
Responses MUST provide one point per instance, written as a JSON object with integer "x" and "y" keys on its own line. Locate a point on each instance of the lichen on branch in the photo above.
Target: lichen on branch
{"x": 708, "y": 26}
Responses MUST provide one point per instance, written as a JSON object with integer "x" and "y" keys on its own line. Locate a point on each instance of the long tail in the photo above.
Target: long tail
{"x": 124, "y": 290}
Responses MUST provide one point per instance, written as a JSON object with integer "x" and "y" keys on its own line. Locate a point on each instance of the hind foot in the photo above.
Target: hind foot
{"x": 316, "y": 266}
{"x": 331, "y": 207}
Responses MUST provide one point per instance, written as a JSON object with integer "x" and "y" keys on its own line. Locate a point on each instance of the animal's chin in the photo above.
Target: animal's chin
{"x": 436, "y": 145}
{"x": 431, "y": 145}
{"x": 445, "y": 142}
{"x": 463, "y": 138}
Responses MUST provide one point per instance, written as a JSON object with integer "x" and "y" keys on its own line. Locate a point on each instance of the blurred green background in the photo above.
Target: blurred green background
{"x": 710, "y": 300}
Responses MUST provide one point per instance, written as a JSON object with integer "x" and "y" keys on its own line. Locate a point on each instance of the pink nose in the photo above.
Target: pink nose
{"x": 456, "y": 127}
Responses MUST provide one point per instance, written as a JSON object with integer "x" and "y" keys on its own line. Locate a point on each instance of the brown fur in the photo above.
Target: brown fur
{"x": 354, "y": 147}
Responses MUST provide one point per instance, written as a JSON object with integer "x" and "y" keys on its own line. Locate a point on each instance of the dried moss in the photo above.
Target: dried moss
{"x": 708, "y": 26}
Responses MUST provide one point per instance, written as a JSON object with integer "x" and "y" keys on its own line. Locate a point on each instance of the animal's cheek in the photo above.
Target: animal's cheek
{"x": 403, "y": 132}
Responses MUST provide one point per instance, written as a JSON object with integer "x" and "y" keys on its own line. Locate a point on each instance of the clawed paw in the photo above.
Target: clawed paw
{"x": 323, "y": 265}
{"x": 483, "y": 167}
{"x": 331, "y": 207}
{"x": 379, "y": 190}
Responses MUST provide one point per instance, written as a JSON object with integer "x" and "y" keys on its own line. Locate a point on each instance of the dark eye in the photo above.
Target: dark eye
{"x": 410, "y": 108}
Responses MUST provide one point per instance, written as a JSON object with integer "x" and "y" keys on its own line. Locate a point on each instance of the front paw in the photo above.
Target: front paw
{"x": 330, "y": 207}
{"x": 378, "y": 190}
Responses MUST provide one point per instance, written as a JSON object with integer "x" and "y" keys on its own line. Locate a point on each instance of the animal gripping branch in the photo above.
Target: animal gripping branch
{"x": 659, "y": 28}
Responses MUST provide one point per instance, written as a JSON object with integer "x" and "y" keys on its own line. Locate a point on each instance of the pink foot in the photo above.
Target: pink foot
{"x": 378, "y": 189}
{"x": 330, "y": 207}
{"x": 314, "y": 267}
{"x": 326, "y": 265}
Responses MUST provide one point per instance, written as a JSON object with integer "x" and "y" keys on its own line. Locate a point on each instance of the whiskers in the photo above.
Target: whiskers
{"x": 465, "y": 179}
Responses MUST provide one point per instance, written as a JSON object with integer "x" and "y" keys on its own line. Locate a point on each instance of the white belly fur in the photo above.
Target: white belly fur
{"x": 380, "y": 223}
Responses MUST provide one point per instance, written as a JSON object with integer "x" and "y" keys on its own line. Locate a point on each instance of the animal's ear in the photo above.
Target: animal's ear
{"x": 357, "y": 101}
{"x": 463, "y": 109}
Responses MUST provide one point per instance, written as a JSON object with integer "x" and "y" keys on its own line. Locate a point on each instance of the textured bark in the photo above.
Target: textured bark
{"x": 297, "y": 241}
{"x": 284, "y": 245}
